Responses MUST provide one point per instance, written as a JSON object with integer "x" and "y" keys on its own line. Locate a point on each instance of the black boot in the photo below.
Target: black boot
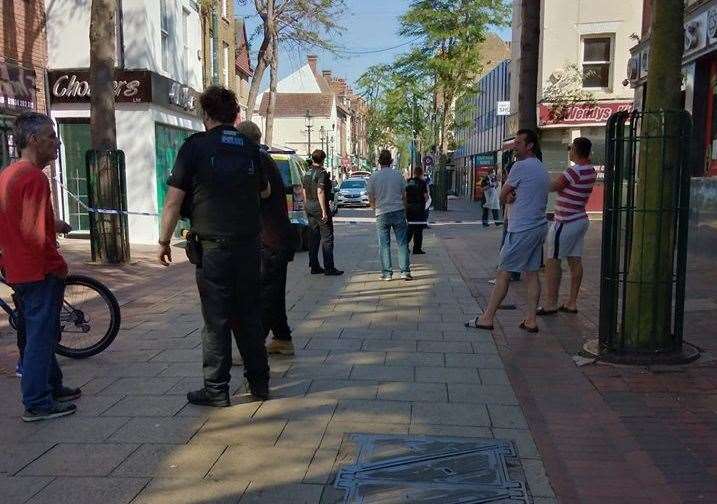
{"x": 202, "y": 397}
{"x": 260, "y": 390}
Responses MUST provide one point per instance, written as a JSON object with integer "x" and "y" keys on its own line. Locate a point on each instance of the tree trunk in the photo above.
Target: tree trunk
{"x": 105, "y": 167}
{"x": 529, "y": 55}
{"x": 102, "y": 60}
{"x": 649, "y": 306}
{"x": 263, "y": 58}
{"x": 269, "y": 132}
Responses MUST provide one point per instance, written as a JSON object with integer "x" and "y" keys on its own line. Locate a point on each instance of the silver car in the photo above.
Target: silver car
{"x": 352, "y": 192}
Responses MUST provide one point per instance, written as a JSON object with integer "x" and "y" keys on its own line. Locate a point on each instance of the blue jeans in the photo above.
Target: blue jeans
{"x": 41, "y": 376}
{"x": 384, "y": 223}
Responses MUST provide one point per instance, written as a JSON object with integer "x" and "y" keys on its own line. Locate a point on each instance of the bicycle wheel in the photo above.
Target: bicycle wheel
{"x": 89, "y": 319}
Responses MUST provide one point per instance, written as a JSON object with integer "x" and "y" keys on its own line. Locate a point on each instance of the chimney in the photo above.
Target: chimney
{"x": 326, "y": 74}
{"x": 312, "y": 59}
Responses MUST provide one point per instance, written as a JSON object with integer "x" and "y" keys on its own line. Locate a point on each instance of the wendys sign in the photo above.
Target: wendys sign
{"x": 579, "y": 114}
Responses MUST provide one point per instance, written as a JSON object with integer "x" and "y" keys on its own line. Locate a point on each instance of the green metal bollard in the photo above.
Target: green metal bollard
{"x": 107, "y": 189}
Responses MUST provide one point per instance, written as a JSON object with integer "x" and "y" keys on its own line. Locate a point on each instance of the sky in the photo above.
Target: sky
{"x": 371, "y": 26}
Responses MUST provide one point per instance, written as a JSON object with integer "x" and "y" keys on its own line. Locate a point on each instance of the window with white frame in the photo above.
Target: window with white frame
{"x": 597, "y": 61}
{"x": 225, "y": 64}
{"x": 224, "y": 8}
{"x": 164, "y": 30}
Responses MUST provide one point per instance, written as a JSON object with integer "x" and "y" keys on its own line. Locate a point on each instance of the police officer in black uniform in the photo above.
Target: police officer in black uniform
{"x": 217, "y": 183}
{"x": 317, "y": 191}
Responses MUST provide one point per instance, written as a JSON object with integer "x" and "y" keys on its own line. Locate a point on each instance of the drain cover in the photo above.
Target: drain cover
{"x": 434, "y": 470}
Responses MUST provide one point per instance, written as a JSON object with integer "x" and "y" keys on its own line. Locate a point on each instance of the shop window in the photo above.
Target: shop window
{"x": 597, "y": 62}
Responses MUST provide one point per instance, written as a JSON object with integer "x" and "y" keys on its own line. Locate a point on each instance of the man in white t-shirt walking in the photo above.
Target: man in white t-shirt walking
{"x": 567, "y": 232}
{"x": 386, "y": 191}
{"x": 527, "y": 189}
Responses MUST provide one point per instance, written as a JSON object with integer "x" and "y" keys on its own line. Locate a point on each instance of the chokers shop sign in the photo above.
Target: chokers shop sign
{"x": 130, "y": 86}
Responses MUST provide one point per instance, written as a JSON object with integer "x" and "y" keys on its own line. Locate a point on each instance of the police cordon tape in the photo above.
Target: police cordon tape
{"x": 372, "y": 220}
{"x": 342, "y": 220}
{"x": 100, "y": 210}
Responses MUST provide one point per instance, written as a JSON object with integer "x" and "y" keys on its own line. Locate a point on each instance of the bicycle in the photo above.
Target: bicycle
{"x": 89, "y": 319}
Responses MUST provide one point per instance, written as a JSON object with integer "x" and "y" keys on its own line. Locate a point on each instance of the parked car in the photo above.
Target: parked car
{"x": 352, "y": 192}
{"x": 360, "y": 173}
{"x": 292, "y": 169}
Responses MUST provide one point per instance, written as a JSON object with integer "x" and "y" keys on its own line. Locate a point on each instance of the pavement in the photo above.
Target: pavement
{"x": 372, "y": 357}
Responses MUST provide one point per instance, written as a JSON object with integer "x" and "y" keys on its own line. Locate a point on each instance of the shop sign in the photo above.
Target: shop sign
{"x": 17, "y": 88}
{"x": 130, "y": 86}
{"x": 581, "y": 113}
{"x": 484, "y": 160}
{"x": 502, "y": 108}
{"x": 73, "y": 86}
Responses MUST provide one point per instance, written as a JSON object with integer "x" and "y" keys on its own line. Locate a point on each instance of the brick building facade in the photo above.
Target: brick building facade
{"x": 23, "y": 62}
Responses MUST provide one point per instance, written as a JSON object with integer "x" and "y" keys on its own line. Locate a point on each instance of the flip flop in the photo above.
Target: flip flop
{"x": 528, "y": 329}
{"x": 565, "y": 309}
{"x": 475, "y": 325}
{"x": 542, "y": 312}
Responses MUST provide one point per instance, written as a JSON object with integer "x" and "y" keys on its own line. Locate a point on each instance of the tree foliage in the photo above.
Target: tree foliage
{"x": 294, "y": 24}
{"x": 422, "y": 92}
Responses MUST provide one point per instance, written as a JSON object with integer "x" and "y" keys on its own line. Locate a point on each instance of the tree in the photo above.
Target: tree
{"x": 449, "y": 34}
{"x": 398, "y": 108}
{"x": 108, "y": 231}
{"x": 103, "y": 128}
{"x": 564, "y": 89}
{"x": 528, "y": 69}
{"x": 298, "y": 24}
{"x": 652, "y": 251}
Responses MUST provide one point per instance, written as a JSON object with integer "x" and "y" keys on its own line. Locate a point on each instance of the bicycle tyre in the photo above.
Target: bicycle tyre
{"x": 115, "y": 319}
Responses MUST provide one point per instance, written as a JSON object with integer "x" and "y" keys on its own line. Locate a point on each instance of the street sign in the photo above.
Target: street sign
{"x": 503, "y": 108}
{"x": 428, "y": 161}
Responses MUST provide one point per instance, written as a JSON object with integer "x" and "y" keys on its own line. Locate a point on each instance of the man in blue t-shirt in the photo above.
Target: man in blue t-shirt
{"x": 527, "y": 189}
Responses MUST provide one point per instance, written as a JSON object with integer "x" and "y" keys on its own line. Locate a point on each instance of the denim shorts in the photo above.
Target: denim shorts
{"x": 522, "y": 251}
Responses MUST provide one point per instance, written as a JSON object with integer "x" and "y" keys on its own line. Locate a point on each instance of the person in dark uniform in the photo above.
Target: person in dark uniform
{"x": 218, "y": 182}
{"x": 277, "y": 250}
{"x": 416, "y": 196}
{"x": 317, "y": 190}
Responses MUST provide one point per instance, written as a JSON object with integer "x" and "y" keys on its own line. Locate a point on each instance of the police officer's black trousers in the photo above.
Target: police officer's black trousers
{"x": 229, "y": 284}
{"x": 321, "y": 233}
{"x": 274, "y": 264}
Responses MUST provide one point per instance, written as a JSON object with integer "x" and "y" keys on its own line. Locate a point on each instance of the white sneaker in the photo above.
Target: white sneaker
{"x": 386, "y": 278}
{"x": 406, "y": 276}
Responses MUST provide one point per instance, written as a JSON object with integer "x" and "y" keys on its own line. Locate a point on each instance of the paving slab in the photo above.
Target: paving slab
{"x": 157, "y": 430}
{"x": 483, "y": 394}
{"x": 475, "y": 415}
{"x": 66, "y": 490}
{"x": 381, "y": 373}
{"x": 77, "y": 459}
{"x": 447, "y": 375}
{"x": 170, "y": 461}
{"x": 299, "y": 494}
{"x": 150, "y": 406}
{"x": 15, "y": 456}
{"x": 412, "y": 392}
{"x": 79, "y": 429}
{"x": 19, "y": 490}
{"x": 373, "y": 411}
{"x": 269, "y": 466}
{"x": 192, "y": 491}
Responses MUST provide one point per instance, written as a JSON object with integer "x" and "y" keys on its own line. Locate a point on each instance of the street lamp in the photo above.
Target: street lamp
{"x": 308, "y": 121}
{"x": 323, "y": 137}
